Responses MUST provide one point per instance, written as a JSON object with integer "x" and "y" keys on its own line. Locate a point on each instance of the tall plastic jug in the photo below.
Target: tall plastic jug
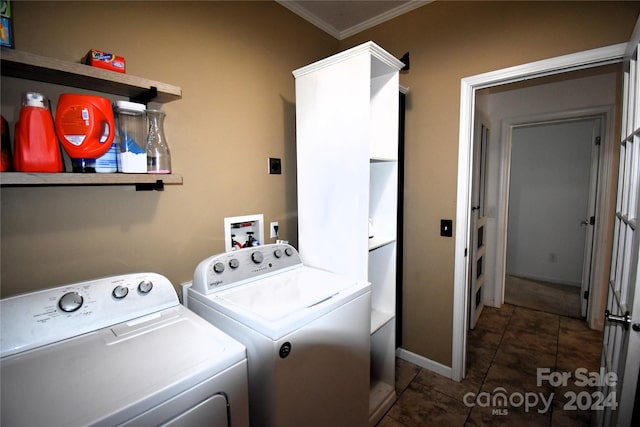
{"x": 85, "y": 126}
{"x": 36, "y": 145}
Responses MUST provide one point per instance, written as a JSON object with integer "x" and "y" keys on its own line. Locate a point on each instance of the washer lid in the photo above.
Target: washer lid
{"x": 279, "y": 304}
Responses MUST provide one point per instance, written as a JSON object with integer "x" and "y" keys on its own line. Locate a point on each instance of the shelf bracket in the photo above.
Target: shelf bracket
{"x": 146, "y": 96}
{"x": 405, "y": 60}
{"x": 150, "y": 186}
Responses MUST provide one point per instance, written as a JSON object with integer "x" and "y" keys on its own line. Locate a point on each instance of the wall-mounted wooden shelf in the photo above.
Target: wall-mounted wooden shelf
{"x": 29, "y": 66}
{"x": 141, "y": 181}
{"x": 50, "y": 70}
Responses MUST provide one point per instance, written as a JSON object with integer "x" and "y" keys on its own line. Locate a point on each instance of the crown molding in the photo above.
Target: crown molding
{"x": 384, "y": 17}
{"x": 341, "y": 35}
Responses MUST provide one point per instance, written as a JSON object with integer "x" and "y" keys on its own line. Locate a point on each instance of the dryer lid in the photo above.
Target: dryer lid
{"x": 111, "y": 375}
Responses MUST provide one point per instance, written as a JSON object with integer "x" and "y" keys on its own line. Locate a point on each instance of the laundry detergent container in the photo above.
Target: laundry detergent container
{"x": 84, "y": 125}
{"x": 36, "y": 146}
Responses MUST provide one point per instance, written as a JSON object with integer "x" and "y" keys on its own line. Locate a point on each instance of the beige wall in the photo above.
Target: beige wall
{"x": 233, "y": 61}
{"x": 448, "y": 41}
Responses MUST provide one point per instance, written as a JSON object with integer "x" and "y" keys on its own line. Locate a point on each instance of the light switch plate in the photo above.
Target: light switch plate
{"x": 275, "y": 166}
{"x": 446, "y": 227}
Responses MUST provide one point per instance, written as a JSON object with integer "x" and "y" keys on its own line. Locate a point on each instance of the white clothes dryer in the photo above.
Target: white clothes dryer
{"x": 306, "y": 333}
{"x": 117, "y": 351}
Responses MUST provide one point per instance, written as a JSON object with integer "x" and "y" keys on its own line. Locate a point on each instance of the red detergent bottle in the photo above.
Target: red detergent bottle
{"x": 36, "y": 146}
{"x": 85, "y": 126}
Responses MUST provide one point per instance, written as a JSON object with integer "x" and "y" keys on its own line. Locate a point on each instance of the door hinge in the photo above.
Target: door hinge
{"x": 598, "y": 139}
{"x": 592, "y": 220}
{"x": 585, "y": 295}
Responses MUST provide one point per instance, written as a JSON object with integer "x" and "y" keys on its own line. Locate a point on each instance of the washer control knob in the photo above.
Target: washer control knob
{"x": 145, "y": 286}
{"x": 257, "y": 257}
{"x": 218, "y": 267}
{"x": 288, "y": 251}
{"x": 71, "y": 301}
{"x": 120, "y": 292}
{"x": 278, "y": 253}
{"x": 234, "y": 263}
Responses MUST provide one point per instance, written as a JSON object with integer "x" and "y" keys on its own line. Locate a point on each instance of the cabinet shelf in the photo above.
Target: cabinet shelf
{"x": 29, "y": 66}
{"x": 382, "y": 159}
{"x": 375, "y": 243}
{"x": 141, "y": 181}
{"x": 379, "y": 319}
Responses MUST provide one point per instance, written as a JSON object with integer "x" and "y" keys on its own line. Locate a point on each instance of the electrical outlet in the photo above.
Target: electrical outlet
{"x": 273, "y": 233}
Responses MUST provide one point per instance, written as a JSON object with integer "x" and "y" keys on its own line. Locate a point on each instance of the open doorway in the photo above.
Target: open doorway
{"x": 620, "y": 347}
{"x": 469, "y": 102}
{"x": 551, "y": 215}
{"x": 532, "y": 105}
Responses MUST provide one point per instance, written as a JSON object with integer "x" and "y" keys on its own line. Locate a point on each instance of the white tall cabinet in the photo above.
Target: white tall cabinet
{"x": 347, "y": 152}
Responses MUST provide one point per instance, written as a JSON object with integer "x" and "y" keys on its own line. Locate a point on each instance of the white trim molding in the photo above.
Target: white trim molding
{"x": 423, "y": 362}
{"x": 468, "y": 86}
{"x": 384, "y": 17}
{"x": 401, "y": 9}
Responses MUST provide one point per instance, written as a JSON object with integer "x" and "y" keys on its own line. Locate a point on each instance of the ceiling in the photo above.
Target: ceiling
{"x": 345, "y": 18}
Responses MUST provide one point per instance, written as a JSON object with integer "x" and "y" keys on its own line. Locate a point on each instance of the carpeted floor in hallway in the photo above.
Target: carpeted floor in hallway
{"x": 543, "y": 296}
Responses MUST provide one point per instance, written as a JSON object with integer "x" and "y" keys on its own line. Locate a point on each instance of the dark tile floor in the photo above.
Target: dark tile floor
{"x": 504, "y": 353}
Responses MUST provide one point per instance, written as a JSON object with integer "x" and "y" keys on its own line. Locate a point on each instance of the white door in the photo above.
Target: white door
{"x": 479, "y": 226}
{"x": 621, "y": 341}
{"x": 590, "y": 218}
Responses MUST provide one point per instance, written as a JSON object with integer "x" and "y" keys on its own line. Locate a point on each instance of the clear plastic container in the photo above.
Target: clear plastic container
{"x": 132, "y": 133}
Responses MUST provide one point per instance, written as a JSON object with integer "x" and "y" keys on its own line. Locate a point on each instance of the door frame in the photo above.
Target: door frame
{"x": 604, "y": 195}
{"x": 468, "y": 87}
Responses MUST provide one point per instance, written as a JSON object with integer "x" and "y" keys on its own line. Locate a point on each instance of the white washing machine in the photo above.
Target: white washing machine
{"x": 306, "y": 333}
{"x": 117, "y": 351}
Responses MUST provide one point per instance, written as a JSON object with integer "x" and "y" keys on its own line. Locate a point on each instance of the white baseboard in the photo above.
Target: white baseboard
{"x": 423, "y": 362}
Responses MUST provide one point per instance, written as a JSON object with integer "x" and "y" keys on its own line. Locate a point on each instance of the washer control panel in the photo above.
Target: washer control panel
{"x": 50, "y": 315}
{"x": 243, "y": 265}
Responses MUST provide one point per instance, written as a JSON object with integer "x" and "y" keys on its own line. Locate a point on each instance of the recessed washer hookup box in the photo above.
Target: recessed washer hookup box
{"x": 105, "y": 60}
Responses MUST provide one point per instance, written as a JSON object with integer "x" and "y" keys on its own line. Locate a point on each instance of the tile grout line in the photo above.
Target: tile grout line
{"x": 398, "y": 395}
{"x": 553, "y": 389}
